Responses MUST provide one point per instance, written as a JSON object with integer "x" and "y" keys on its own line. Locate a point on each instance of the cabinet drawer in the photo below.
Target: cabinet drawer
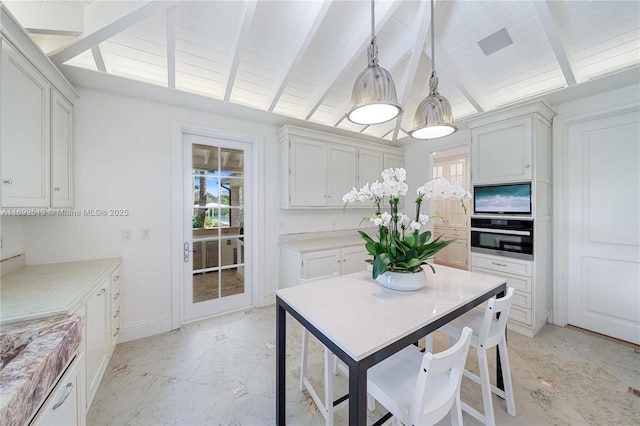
{"x": 496, "y": 263}
{"x": 519, "y": 314}
{"x": 520, "y": 283}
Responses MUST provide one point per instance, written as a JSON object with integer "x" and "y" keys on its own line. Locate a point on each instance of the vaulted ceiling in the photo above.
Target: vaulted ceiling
{"x": 300, "y": 58}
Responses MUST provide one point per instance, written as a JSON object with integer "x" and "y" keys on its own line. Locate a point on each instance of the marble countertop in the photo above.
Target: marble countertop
{"x": 325, "y": 243}
{"x": 39, "y": 291}
{"x": 35, "y": 353}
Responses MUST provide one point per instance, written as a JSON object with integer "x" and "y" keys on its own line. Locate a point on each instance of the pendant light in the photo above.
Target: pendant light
{"x": 373, "y": 99}
{"x": 434, "y": 118}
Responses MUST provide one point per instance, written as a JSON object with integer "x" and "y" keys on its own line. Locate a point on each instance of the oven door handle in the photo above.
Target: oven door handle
{"x": 501, "y": 231}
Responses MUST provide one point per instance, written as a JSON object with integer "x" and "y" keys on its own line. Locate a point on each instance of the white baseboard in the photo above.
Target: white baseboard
{"x": 269, "y": 300}
{"x": 145, "y": 329}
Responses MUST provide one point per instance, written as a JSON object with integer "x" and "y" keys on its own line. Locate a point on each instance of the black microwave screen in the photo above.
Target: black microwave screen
{"x": 502, "y": 199}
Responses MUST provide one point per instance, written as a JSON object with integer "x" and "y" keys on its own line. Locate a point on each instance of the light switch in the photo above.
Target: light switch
{"x": 126, "y": 235}
{"x": 146, "y": 233}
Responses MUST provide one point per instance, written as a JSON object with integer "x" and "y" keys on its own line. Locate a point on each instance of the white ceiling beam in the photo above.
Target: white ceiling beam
{"x": 105, "y": 19}
{"x": 98, "y": 58}
{"x": 171, "y": 47}
{"x": 556, "y": 41}
{"x": 420, "y": 30}
{"x": 241, "y": 36}
{"x": 352, "y": 52}
{"x": 308, "y": 29}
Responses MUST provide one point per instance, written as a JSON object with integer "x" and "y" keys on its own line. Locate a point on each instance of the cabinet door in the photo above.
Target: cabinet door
{"x": 456, "y": 254}
{"x": 64, "y": 404}
{"x": 341, "y": 173}
{"x": 354, "y": 259}
{"x": 308, "y": 173}
{"x": 61, "y": 151}
{"x": 97, "y": 338}
{"x": 24, "y": 132}
{"x": 502, "y": 152}
{"x": 393, "y": 161}
{"x": 321, "y": 263}
{"x": 370, "y": 166}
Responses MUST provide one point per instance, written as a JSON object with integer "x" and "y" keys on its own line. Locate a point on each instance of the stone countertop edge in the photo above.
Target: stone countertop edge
{"x": 68, "y": 305}
{"x": 27, "y": 379}
{"x": 304, "y": 246}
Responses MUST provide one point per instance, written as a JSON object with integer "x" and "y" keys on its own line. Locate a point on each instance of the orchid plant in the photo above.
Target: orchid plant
{"x": 401, "y": 247}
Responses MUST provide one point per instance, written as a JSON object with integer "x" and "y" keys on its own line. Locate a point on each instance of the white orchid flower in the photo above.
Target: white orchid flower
{"x": 424, "y": 219}
{"x": 401, "y": 174}
{"x": 388, "y": 174}
{"x": 386, "y": 218}
{"x": 415, "y": 226}
{"x": 350, "y": 196}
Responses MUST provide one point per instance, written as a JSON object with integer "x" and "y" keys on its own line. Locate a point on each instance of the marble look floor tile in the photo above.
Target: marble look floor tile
{"x": 221, "y": 371}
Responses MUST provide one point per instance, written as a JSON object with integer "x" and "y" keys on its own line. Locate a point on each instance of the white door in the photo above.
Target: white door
{"x": 216, "y": 236}
{"x": 604, "y": 226}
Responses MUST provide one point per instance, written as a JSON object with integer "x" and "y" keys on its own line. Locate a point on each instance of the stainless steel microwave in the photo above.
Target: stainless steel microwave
{"x": 502, "y": 237}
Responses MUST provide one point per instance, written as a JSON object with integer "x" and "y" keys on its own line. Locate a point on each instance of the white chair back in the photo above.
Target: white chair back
{"x": 492, "y": 330}
{"x": 426, "y": 410}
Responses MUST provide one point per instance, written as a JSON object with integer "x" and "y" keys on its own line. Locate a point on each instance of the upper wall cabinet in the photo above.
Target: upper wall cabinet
{"x": 317, "y": 168}
{"x": 36, "y": 124}
{"x": 504, "y": 144}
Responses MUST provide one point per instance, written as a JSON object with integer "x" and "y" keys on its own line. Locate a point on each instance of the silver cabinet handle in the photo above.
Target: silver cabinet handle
{"x": 498, "y": 264}
{"x": 67, "y": 392}
{"x": 116, "y": 314}
{"x": 101, "y": 292}
{"x": 57, "y": 188}
{"x": 186, "y": 252}
{"x": 115, "y": 296}
{"x": 116, "y": 332}
{"x": 8, "y": 181}
{"x": 116, "y": 278}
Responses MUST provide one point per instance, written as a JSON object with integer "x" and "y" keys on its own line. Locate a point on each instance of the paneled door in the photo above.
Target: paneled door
{"x": 604, "y": 229}
{"x": 217, "y": 207}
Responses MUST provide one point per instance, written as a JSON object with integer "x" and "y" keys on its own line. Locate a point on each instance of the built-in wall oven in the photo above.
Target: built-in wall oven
{"x": 502, "y": 237}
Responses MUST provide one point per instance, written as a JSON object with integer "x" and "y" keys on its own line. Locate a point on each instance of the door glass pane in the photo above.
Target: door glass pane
{"x": 218, "y": 246}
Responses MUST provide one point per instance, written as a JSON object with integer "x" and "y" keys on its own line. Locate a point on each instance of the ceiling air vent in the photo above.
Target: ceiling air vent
{"x": 494, "y": 42}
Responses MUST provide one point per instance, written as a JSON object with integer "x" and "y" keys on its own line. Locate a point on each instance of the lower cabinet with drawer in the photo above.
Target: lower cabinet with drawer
{"x": 297, "y": 267}
{"x": 529, "y": 308}
{"x": 65, "y": 404}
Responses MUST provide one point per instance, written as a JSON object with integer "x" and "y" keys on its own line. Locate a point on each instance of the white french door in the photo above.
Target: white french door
{"x": 217, "y": 209}
{"x": 603, "y": 226}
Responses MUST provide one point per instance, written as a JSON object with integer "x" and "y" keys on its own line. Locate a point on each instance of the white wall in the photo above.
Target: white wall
{"x": 123, "y": 149}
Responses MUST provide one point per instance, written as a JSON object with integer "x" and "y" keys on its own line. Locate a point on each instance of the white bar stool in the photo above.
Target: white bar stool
{"x": 421, "y": 389}
{"x": 488, "y": 332}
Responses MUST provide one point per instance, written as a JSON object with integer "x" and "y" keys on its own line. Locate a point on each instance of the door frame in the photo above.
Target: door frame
{"x": 560, "y": 189}
{"x": 179, "y": 128}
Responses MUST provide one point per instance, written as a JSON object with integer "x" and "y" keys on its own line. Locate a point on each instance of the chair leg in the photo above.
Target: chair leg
{"x": 456, "y": 411}
{"x": 506, "y": 375}
{"x": 485, "y": 383}
{"x": 328, "y": 386}
{"x": 303, "y": 357}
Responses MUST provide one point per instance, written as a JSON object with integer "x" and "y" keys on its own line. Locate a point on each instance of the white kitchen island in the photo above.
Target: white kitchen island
{"x": 363, "y": 323}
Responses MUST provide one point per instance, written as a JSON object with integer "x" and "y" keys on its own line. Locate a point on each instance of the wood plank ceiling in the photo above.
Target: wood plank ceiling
{"x": 301, "y": 58}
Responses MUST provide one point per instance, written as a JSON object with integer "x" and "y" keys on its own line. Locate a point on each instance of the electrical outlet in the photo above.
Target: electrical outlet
{"x": 126, "y": 235}
{"x": 146, "y": 233}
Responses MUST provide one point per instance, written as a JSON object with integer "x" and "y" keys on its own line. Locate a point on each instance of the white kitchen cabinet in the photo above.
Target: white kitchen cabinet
{"x": 455, "y": 254}
{"x": 529, "y": 308}
{"x": 317, "y": 259}
{"x": 502, "y": 152}
{"x": 114, "y": 310}
{"x": 97, "y": 336}
{"x": 24, "y": 132}
{"x": 317, "y": 168}
{"x": 319, "y": 173}
{"x": 64, "y": 406}
{"x": 36, "y": 132}
{"x": 61, "y": 151}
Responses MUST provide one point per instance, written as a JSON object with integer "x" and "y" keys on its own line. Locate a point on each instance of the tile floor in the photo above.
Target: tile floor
{"x": 221, "y": 371}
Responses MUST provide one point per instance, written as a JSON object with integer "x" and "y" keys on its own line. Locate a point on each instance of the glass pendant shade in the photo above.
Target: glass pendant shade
{"x": 373, "y": 99}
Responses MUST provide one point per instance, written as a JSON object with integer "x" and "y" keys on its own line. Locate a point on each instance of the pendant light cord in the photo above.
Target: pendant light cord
{"x": 433, "y": 43}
